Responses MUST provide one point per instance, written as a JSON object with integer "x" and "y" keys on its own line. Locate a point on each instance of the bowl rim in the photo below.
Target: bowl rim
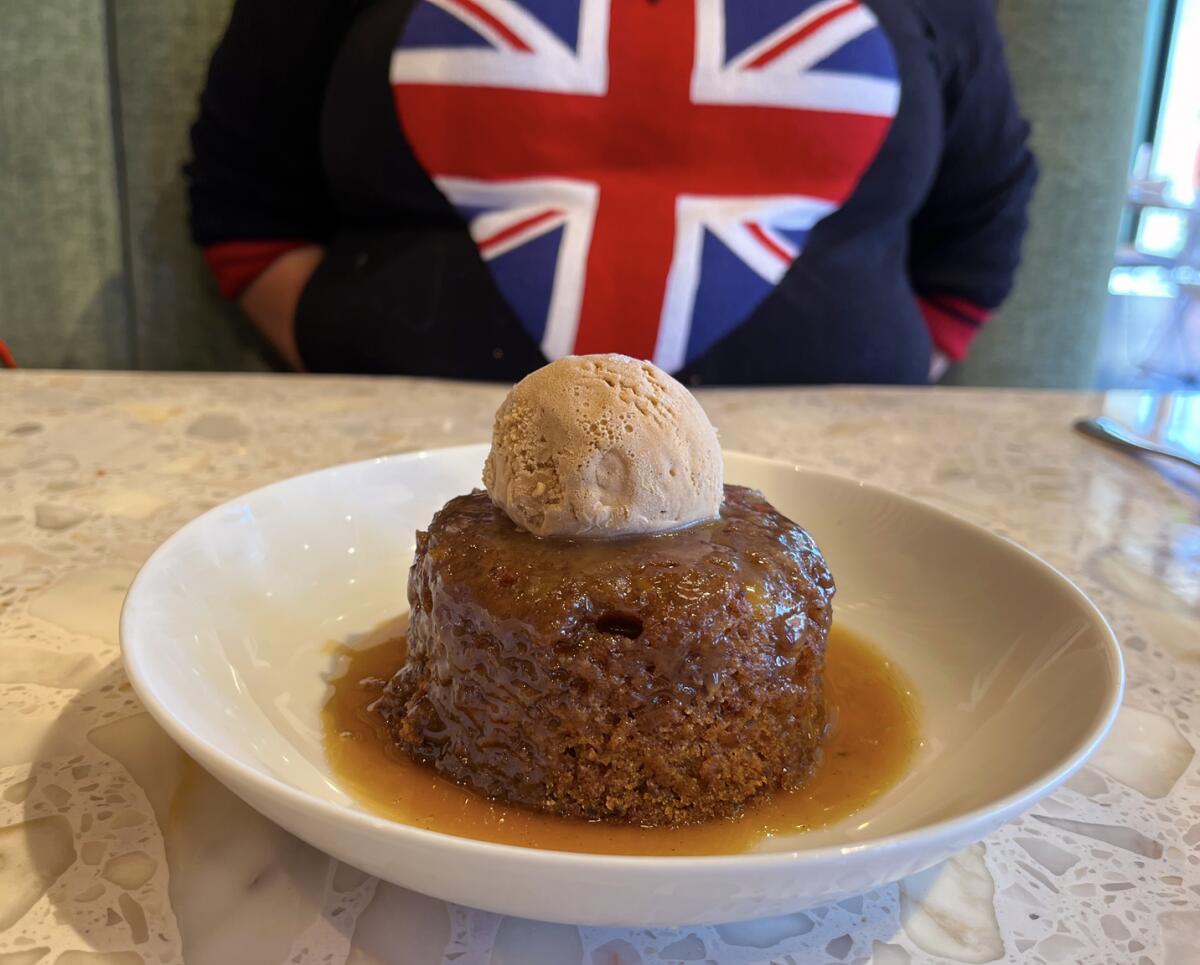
{"x": 950, "y": 828}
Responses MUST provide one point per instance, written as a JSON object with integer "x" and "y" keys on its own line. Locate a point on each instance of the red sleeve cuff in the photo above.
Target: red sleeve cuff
{"x": 236, "y": 264}
{"x": 953, "y": 322}
{"x": 6, "y": 357}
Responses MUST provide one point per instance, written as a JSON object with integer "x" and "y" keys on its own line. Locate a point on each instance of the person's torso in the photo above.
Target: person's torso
{"x": 723, "y": 186}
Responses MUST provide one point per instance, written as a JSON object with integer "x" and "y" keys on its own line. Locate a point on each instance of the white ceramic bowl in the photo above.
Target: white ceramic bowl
{"x": 225, "y": 630}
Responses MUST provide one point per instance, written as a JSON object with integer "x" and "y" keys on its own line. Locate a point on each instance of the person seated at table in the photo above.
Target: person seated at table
{"x": 770, "y": 192}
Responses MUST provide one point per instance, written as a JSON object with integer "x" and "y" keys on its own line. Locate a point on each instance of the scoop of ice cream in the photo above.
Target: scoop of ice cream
{"x": 603, "y": 445}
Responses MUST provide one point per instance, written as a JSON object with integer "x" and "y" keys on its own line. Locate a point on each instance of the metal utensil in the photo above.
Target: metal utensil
{"x": 1115, "y": 434}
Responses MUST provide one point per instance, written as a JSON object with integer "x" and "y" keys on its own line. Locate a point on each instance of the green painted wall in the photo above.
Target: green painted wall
{"x": 1077, "y": 67}
{"x": 63, "y": 291}
{"x": 162, "y": 49}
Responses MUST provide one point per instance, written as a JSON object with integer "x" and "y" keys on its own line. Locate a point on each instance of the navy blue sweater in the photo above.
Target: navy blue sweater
{"x": 746, "y": 191}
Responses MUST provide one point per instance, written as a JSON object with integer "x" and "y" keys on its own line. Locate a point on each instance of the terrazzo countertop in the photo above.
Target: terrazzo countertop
{"x": 115, "y": 848}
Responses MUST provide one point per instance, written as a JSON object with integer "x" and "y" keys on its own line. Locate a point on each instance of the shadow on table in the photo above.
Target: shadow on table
{"x": 141, "y": 820}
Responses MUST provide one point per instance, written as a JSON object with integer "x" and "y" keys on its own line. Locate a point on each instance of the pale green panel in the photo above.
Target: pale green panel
{"x": 162, "y": 53}
{"x": 62, "y": 296}
{"x": 1076, "y": 65}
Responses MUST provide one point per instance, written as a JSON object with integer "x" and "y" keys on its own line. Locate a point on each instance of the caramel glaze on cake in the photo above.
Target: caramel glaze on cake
{"x": 658, "y": 680}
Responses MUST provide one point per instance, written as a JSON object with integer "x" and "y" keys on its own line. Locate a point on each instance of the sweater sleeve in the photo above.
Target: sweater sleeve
{"x": 966, "y": 239}
{"x": 255, "y": 180}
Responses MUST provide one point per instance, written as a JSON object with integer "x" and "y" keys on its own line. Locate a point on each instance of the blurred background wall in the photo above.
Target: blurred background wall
{"x": 96, "y": 269}
{"x": 1076, "y": 66}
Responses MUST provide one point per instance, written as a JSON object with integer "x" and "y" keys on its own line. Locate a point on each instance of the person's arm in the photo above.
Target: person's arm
{"x": 270, "y": 300}
{"x": 260, "y": 206}
{"x": 966, "y": 240}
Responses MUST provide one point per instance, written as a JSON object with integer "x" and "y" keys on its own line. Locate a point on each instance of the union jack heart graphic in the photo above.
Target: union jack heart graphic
{"x": 638, "y": 176}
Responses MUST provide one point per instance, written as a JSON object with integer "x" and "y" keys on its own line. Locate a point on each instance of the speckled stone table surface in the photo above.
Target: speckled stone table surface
{"x": 114, "y": 847}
